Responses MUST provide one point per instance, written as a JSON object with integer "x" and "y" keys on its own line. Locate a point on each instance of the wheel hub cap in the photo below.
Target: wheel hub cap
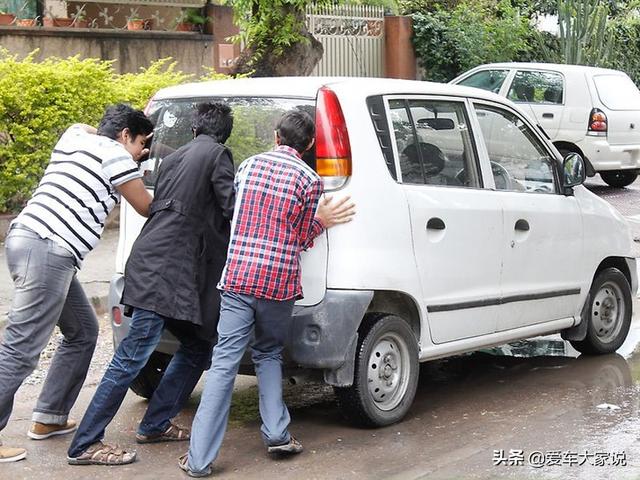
{"x": 387, "y": 373}
{"x": 607, "y": 312}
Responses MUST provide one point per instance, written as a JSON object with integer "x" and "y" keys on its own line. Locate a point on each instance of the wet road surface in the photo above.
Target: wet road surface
{"x": 528, "y": 410}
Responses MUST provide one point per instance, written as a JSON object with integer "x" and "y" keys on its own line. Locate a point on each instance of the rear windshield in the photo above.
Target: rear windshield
{"x": 617, "y": 92}
{"x": 254, "y": 120}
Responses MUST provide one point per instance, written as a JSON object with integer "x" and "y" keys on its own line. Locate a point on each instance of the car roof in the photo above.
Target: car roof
{"x": 307, "y": 87}
{"x": 548, "y": 66}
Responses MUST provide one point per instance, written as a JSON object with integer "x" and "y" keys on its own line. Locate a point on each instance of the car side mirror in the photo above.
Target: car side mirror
{"x": 573, "y": 170}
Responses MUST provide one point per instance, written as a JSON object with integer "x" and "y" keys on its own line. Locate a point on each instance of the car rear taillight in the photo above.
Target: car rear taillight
{"x": 116, "y": 316}
{"x": 597, "y": 123}
{"x": 333, "y": 152}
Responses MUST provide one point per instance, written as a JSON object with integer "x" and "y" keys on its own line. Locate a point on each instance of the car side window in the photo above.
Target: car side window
{"x": 490, "y": 80}
{"x": 519, "y": 161}
{"x": 537, "y": 87}
{"x": 433, "y": 143}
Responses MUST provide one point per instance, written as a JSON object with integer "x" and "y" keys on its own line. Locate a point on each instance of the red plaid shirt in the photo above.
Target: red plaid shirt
{"x": 274, "y": 220}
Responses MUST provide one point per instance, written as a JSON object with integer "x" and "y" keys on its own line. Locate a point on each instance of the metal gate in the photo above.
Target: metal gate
{"x": 352, "y": 37}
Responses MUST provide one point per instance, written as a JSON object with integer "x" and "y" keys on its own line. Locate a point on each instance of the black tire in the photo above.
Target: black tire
{"x": 609, "y": 314}
{"x": 386, "y": 398}
{"x": 149, "y": 377}
{"x": 618, "y": 178}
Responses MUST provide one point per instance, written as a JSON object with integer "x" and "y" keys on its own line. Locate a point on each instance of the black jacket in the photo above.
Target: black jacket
{"x": 178, "y": 258}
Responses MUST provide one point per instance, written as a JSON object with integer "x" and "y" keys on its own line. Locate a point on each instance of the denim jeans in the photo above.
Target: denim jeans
{"x": 240, "y": 316}
{"x": 47, "y": 293}
{"x": 181, "y": 376}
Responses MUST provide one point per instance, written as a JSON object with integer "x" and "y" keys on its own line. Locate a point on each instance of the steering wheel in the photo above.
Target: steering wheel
{"x": 501, "y": 177}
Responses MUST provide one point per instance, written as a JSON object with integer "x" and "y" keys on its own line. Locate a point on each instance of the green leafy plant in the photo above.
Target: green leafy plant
{"x": 193, "y": 16}
{"x": 448, "y": 42}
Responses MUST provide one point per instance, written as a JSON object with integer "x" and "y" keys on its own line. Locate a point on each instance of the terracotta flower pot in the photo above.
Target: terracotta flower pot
{"x": 185, "y": 27}
{"x": 7, "y": 18}
{"x": 26, "y": 22}
{"x": 58, "y": 22}
{"x": 137, "y": 24}
{"x": 81, "y": 24}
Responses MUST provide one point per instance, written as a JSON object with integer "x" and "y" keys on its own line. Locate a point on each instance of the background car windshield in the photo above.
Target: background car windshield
{"x": 254, "y": 120}
{"x": 617, "y": 92}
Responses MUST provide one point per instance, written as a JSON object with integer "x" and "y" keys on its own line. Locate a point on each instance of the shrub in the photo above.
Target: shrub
{"x": 39, "y": 100}
{"x": 448, "y": 42}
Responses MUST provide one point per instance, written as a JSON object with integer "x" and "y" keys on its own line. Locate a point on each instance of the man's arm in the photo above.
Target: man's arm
{"x": 137, "y": 195}
{"x": 222, "y": 182}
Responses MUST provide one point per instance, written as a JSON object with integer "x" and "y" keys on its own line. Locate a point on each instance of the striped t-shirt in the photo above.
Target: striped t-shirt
{"x": 77, "y": 191}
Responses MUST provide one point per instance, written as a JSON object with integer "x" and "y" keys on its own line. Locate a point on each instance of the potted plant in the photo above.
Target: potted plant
{"x": 135, "y": 21}
{"x": 80, "y": 18}
{"x": 57, "y": 22}
{"x": 191, "y": 20}
{"x": 26, "y": 22}
{"x": 6, "y": 18}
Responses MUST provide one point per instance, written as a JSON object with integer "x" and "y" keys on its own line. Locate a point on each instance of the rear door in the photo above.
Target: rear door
{"x": 456, "y": 225}
{"x": 541, "y": 94}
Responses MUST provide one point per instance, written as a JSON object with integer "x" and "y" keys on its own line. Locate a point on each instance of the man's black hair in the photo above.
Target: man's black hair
{"x": 214, "y": 119}
{"x": 296, "y": 130}
{"x": 118, "y": 117}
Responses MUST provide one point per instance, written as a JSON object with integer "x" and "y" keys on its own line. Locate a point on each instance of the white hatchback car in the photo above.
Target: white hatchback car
{"x": 591, "y": 111}
{"x": 470, "y": 232}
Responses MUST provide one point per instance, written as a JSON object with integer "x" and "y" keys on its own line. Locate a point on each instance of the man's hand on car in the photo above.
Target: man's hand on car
{"x": 333, "y": 212}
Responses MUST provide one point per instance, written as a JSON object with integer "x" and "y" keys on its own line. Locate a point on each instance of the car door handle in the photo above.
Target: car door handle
{"x": 522, "y": 225}
{"x": 547, "y": 115}
{"x": 435, "y": 223}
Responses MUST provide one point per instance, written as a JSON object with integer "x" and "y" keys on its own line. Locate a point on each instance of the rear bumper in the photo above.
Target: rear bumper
{"x": 604, "y": 156}
{"x": 322, "y": 336}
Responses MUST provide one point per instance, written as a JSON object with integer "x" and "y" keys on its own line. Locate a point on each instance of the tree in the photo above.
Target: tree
{"x": 276, "y": 39}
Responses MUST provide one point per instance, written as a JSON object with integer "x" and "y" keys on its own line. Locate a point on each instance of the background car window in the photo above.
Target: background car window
{"x": 536, "y": 87}
{"x": 519, "y": 162}
{"x": 490, "y": 80}
{"x": 254, "y": 120}
{"x": 434, "y": 144}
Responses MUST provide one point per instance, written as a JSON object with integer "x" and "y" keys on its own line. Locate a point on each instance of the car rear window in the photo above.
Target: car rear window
{"x": 254, "y": 120}
{"x": 617, "y": 92}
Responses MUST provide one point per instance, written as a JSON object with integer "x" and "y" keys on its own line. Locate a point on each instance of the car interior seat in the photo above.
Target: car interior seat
{"x": 553, "y": 95}
{"x": 433, "y": 161}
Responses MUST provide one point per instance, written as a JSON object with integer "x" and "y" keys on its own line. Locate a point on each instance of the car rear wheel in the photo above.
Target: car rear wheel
{"x": 149, "y": 377}
{"x": 386, "y": 373}
{"x": 609, "y": 313}
{"x": 619, "y": 178}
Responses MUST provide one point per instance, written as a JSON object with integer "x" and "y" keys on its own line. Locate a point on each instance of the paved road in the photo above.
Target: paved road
{"x": 472, "y": 415}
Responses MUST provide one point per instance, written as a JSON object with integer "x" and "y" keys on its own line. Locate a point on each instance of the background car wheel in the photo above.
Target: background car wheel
{"x": 149, "y": 377}
{"x": 609, "y": 314}
{"x": 619, "y": 178}
{"x": 386, "y": 373}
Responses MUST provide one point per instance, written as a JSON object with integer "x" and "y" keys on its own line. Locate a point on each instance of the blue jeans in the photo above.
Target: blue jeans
{"x": 240, "y": 316}
{"x": 181, "y": 376}
{"x": 47, "y": 293}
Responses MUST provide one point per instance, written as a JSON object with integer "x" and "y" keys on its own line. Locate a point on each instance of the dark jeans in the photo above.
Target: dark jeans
{"x": 182, "y": 375}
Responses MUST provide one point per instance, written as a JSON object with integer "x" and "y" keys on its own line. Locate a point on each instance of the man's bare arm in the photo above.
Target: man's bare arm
{"x": 137, "y": 195}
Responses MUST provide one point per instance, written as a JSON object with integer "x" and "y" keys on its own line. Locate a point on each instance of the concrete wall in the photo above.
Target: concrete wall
{"x": 130, "y": 49}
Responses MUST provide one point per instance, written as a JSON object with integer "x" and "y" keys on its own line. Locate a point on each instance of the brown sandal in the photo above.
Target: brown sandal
{"x": 103, "y": 454}
{"x": 173, "y": 433}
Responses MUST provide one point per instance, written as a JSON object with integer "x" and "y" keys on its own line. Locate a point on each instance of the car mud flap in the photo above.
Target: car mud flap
{"x": 343, "y": 376}
{"x": 579, "y": 332}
